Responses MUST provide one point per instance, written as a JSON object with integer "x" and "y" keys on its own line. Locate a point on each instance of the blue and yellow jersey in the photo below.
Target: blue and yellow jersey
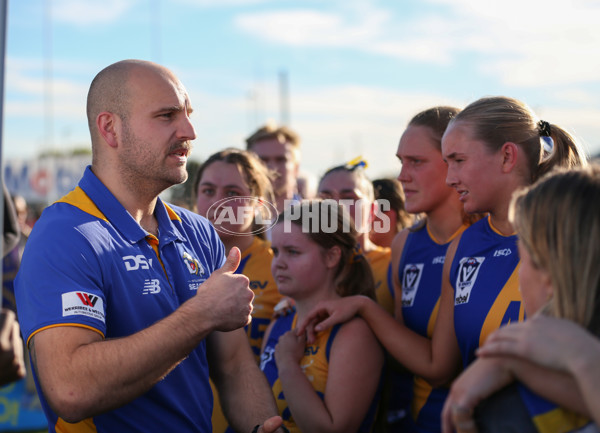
{"x": 484, "y": 275}
{"x": 550, "y": 418}
{"x": 420, "y": 275}
{"x": 380, "y": 260}
{"x": 89, "y": 264}
{"x": 256, "y": 265}
{"x": 315, "y": 365}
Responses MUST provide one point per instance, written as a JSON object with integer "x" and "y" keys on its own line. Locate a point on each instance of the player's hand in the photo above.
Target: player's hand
{"x": 328, "y": 313}
{"x": 12, "y": 364}
{"x": 273, "y": 425}
{"x": 225, "y": 297}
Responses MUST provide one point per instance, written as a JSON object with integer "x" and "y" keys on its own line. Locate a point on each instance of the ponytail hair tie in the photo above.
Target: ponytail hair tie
{"x": 545, "y": 135}
{"x": 544, "y": 128}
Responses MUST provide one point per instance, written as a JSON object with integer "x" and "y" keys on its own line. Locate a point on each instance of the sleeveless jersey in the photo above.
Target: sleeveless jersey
{"x": 256, "y": 265}
{"x": 550, "y": 418}
{"x": 315, "y": 365}
{"x": 484, "y": 275}
{"x": 380, "y": 260}
{"x": 420, "y": 274}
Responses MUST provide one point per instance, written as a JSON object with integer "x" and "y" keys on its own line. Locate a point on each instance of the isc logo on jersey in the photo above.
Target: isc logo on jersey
{"x": 468, "y": 269}
{"x": 82, "y": 304}
{"x": 410, "y": 283}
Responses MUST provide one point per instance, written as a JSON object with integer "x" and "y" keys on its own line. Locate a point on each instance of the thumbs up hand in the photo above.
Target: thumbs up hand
{"x": 225, "y": 297}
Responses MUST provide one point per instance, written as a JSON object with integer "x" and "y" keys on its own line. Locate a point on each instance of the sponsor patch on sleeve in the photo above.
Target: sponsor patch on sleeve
{"x": 83, "y": 304}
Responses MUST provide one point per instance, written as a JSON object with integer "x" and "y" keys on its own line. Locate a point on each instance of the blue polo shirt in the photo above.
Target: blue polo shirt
{"x": 88, "y": 263}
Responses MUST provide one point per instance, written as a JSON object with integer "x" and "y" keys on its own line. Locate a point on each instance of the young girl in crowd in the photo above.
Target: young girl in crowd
{"x": 349, "y": 185}
{"x": 330, "y": 384}
{"x": 233, "y": 190}
{"x": 493, "y": 147}
{"x": 558, "y": 224}
{"x": 389, "y": 199}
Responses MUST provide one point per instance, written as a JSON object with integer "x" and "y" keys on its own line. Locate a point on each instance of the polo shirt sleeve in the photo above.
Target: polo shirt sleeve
{"x": 60, "y": 282}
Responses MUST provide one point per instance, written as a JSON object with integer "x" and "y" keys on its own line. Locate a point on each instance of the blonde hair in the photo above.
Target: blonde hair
{"x": 499, "y": 119}
{"x": 558, "y": 222}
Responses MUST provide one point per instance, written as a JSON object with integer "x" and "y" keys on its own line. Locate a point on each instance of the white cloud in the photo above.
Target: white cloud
{"x": 520, "y": 42}
{"x": 83, "y": 13}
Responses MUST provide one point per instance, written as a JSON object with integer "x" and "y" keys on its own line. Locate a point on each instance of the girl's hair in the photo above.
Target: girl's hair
{"x": 558, "y": 222}
{"x": 391, "y": 190}
{"x": 328, "y": 224}
{"x": 357, "y": 168}
{"x": 436, "y": 119}
{"x": 499, "y": 119}
{"x": 256, "y": 175}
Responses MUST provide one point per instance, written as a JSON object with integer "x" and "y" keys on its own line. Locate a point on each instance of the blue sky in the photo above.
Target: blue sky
{"x": 357, "y": 69}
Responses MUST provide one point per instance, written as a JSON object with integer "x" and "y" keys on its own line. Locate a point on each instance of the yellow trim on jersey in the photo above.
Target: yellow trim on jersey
{"x": 461, "y": 229}
{"x": 57, "y": 325}
{"x": 85, "y": 426}
{"x": 559, "y": 421}
{"x": 509, "y": 293}
{"x": 80, "y": 199}
{"x": 495, "y": 230}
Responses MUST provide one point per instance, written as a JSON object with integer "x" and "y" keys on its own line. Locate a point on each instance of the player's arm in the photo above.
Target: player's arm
{"x": 355, "y": 365}
{"x": 246, "y": 397}
{"x": 82, "y": 375}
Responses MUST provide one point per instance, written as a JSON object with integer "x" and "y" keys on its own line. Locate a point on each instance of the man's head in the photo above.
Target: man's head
{"x": 279, "y": 148}
{"x": 138, "y": 115}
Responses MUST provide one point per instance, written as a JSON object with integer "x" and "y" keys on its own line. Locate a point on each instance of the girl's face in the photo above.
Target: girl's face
{"x": 345, "y": 188}
{"x": 534, "y": 283}
{"x": 473, "y": 170}
{"x": 299, "y": 265}
{"x": 222, "y": 180}
{"x": 423, "y": 173}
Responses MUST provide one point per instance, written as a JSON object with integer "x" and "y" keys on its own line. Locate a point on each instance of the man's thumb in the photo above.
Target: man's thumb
{"x": 233, "y": 260}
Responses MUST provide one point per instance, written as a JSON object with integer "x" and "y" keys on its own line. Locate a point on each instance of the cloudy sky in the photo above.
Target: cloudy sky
{"x": 357, "y": 70}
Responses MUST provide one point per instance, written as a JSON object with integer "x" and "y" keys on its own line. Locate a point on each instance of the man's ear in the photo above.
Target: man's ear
{"x": 333, "y": 256}
{"x": 107, "y": 124}
{"x": 509, "y": 153}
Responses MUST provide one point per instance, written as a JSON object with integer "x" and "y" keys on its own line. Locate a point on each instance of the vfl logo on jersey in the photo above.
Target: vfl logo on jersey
{"x": 468, "y": 269}
{"x": 133, "y": 263}
{"x": 82, "y": 304}
{"x": 410, "y": 283}
{"x": 151, "y": 287}
{"x": 266, "y": 357}
{"x": 192, "y": 264}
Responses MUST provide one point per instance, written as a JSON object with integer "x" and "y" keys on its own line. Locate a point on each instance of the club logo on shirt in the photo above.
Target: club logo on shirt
{"x": 468, "y": 269}
{"x": 410, "y": 283}
{"x": 82, "y": 304}
{"x": 192, "y": 264}
{"x": 151, "y": 286}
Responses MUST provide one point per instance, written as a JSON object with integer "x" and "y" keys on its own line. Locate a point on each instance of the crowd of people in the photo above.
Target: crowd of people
{"x": 461, "y": 296}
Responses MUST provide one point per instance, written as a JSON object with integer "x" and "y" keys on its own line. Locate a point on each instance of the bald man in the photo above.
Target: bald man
{"x": 127, "y": 303}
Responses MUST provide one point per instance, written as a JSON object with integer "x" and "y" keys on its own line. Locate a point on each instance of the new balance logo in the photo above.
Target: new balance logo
{"x": 151, "y": 287}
